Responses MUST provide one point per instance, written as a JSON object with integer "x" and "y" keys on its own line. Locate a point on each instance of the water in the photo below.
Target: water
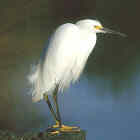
{"x": 103, "y": 117}
{"x": 105, "y": 101}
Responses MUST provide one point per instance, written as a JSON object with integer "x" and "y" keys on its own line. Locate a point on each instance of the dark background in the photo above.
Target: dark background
{"x": 24, "y": 28}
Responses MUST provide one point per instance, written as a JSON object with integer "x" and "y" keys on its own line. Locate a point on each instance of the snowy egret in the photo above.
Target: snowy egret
{"x": 63, "y": 61}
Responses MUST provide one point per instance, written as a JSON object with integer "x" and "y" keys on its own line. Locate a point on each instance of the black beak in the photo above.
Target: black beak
{"x": 106, "y": 30}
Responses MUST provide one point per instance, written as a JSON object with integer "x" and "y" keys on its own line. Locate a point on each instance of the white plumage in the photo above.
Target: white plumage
{"x": 64, "y": 60}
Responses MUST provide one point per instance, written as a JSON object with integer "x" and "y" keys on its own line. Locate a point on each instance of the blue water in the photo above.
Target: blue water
{"x": 103, "y": 117}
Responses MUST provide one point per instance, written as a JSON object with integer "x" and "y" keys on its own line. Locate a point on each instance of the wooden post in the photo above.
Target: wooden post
{"x": 81, "y": 135}
{"x": 6, "y": 135}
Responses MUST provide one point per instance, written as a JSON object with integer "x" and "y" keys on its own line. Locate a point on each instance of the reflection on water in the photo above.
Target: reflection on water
{"x": 92, "y": 103}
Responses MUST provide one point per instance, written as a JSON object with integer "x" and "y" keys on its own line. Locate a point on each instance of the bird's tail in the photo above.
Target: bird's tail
{"x": 35, "y": 82}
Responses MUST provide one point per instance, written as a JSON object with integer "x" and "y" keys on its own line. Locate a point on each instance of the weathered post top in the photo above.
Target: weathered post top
{"x": 81, "y": 135}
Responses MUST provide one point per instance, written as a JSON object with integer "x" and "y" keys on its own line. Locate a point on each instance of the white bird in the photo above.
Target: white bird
{"x": 63, "y": 61}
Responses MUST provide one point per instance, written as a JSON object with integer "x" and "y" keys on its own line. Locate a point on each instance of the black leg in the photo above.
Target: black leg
{"x": 56, "y": 129}
{"x": 55, "y": 98}
{"x": 50, "y": 107}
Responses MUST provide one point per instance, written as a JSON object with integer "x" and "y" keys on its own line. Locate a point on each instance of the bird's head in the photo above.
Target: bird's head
{"x": 96, "y": 27}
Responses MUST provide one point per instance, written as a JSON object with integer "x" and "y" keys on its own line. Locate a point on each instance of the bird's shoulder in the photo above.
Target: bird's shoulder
{"x": 63, "y": 39}
{"x": 64, "y": 35}
{"x": 67, "y": 28}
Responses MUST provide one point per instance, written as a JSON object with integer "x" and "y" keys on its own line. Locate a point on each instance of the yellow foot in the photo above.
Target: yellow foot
{"x": 56, "y": 129}
{"x": 65, "y": 128}
{"x": 55, "y": 126}
{"x": 54, "y": 133}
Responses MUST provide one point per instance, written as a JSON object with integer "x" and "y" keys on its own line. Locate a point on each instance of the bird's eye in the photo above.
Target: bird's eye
{"x": 98, "y": 27}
